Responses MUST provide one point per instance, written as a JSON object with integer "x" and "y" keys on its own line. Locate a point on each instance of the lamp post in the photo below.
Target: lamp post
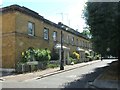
{"x": 108, "y": 49}
{"x": 62, "y": 54}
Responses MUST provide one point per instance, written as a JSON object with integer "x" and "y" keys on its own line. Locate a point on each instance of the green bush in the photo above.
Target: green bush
{"x": 35, "y": 54}
{"x": 28, "y": 55}
{"x": 72, "y": 60}
{"x": 42, "y": 55}
{"x": 53, "y": 65}
{"x": 54, "y": 56}
{"x": 90, "y": 58}
{"x": 96, "y": 57}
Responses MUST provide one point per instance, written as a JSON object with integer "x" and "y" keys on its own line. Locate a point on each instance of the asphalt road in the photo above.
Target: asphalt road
{"x": 77, "y": 78}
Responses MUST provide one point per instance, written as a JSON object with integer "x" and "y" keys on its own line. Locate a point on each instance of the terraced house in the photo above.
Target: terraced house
{"x": 23, "y": 28}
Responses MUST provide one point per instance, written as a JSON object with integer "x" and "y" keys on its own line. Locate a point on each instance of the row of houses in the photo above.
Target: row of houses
{"x": 23, "y": 28}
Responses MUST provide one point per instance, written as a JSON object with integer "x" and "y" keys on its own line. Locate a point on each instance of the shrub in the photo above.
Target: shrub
{"x": 28, "y": 55}
{"x": 72, "y": 60}
{"x": 42, "y": 55}
{"x": 53, "y": 65}
{"x": 90, "y": 58}
{"x": 54, "y": 56}
{"x": 87, "y": 54}
{"x": 96, "y": 57}
{"x": 35, "y": 54}
{"x": 75, "y": 55}
{"x": 38, "y": 54}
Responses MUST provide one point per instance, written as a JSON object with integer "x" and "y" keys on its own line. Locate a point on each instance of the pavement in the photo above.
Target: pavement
{"x": 97, "y": 84}
{"x": 44, "y": 73}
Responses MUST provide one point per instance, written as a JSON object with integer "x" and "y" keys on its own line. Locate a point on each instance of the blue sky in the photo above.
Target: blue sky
{"x": 52, "y": 9}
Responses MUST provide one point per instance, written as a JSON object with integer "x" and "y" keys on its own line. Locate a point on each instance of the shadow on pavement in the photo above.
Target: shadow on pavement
{"x": 90, "y": 77}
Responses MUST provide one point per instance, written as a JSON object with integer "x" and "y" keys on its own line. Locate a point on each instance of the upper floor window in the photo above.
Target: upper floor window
{"x": 31, "y": 28}
{"x": 46, "y": 33}
{"x": 76, "y": 42}
{"x": 54, "y": 36}
{"x": 63, "y": 38}
{"x": 68, "y": 39}
{"x": 72, "y": 41}
{"x": 85, "y": 44}
{"x": 81, "y": 43}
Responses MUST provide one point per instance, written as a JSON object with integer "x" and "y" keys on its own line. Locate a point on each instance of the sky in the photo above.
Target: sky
{"x": 69, "y": 12}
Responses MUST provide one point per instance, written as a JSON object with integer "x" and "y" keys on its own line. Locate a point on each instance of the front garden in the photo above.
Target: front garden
{"x": 40, "y": 59}
{"x": 33, "y": 59}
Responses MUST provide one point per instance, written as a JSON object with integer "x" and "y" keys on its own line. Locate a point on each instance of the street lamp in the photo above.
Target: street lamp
{"x": 62, "y": 54}
{"x": 108, "y": 49}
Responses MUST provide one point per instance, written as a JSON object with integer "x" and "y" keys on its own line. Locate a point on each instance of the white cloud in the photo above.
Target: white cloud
{"x": 75, "y": 13}
{"x": 0, "y": 2}
{"x": 72, "y": 16}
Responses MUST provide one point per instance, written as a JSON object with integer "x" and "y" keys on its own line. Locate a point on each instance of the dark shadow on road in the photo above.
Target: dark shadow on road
{"x": 90, "y": 77}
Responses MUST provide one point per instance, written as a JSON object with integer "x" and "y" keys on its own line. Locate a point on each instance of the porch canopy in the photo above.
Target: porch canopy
{"x": 66, "y": 52}
{"x": 79, "y": 49}
{"x": 58, "y": 46}
{"x": 90, "y": 50}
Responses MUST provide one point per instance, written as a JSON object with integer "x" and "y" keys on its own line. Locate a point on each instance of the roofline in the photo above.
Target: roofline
{"x": 34, "y": 14}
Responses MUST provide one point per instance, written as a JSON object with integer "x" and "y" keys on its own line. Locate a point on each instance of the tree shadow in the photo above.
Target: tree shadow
{"x": 86, "y": 78}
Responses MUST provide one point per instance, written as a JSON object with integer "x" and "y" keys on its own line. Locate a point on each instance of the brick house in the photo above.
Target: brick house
{"x": 23, "y": 28}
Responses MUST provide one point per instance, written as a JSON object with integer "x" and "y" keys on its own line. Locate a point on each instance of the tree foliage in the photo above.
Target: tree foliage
{"x": 86, "y": 32}
{"x": 103, "y": 19}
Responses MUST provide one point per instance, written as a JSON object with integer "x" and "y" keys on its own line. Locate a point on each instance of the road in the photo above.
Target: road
{"x": 77, "y": 78}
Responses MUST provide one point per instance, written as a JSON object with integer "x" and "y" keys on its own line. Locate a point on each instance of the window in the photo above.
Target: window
{"x": 83, "y": 44}
{"x": 68, "y": 39}
{"x": 46, "y": 33}
{"x": 54, "y": 36}
{"x": 72, "y": 41}
{"x": 76, "y": 42}
{"x": 62, "y": 38}
{"x": 80, "y": 43}
{"x": 31, "y": 28}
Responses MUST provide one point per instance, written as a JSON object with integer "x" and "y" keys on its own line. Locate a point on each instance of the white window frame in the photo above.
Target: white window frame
{"x": 31, "y": 29}
{"x": 46, "y": 33}
{"x": 77, "y": 42}
{"x": 72, "y": 41}
{"x": 68, "y": 39}
{"x": 54, "y": 36}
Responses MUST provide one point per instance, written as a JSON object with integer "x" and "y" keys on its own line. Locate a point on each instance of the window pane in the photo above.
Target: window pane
{"x": 68, "y": 39}
{"x": 72, "y": 40}
{"x": 54, "y": 36}
{"x": 30, "y": 28}
{"x": 77, "y": 42}
{"x": 45, "y": 33}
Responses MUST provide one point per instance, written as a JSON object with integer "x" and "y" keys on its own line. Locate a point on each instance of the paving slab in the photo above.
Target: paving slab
{"x": 44, "y": 73}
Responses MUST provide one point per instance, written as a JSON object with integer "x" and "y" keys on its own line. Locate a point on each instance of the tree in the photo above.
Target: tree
{"x": 103, "y": 19}
{"x": 86, "y": 32}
